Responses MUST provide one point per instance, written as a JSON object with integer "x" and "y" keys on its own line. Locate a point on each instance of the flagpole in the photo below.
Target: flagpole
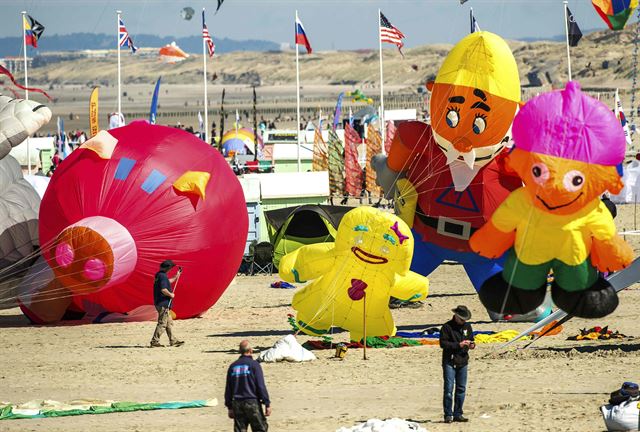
{"x": 566, "y": 30}
{"x": 118, "y": 44}
{"x": 381, "y": 81}
{"x": 204, "y": 75}
{"x": 26, "y": 82}
{"x": 298, "y": 94}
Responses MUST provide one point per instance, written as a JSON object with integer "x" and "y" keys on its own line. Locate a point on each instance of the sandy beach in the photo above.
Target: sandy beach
{"x": 556, "y": 385}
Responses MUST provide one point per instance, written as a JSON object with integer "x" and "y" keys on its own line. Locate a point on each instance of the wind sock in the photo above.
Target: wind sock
{"x": 94, "y": 126}
{"x": 153, "y": 112}
{"x": 5, "y": 71}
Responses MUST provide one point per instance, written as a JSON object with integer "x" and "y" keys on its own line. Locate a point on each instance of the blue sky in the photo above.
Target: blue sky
{"x": 330, "y": 24}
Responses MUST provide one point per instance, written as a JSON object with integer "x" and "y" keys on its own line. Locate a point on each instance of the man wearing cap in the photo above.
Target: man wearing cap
{"x": 456, "y": 339}
{"x": 162, "y": 296}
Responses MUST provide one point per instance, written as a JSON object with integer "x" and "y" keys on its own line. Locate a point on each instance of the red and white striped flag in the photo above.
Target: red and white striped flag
{"x": 205, "y": 35}
{"x": 390, "y": 34}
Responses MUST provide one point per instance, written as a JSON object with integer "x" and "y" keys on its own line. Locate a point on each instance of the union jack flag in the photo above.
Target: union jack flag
{"x": 124, "y": 39}
{"x": 205, "y": 35}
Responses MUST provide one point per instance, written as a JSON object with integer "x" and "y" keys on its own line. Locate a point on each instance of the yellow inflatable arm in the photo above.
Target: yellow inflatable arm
{"x": 411, "y": 287}
{"x": 307, "y": 263}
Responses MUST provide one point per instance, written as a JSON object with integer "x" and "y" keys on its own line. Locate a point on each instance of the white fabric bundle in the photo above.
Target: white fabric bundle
{"x": 287, "y": 349}
{"x": 623, "y": 417}
{"x": 391, "y": 425}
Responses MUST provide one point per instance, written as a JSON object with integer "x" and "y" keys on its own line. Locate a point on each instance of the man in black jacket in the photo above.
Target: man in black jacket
{"x": 456, "y": 339}
{"x": 246, "y": 392}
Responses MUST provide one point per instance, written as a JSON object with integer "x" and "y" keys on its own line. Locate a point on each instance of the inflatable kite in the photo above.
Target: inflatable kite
{"x": 451, "y": 172}
{"x": 615, "y": 12}
{"x": 567, "y": 149}
{"x": 172, "y": 53}
{"x": 19, "y": 119}
{"x": 121, "y": 204}
{"x": 19, "y": 202}
{"x": 354, "y": 277}
{"x": 239, "y": 142}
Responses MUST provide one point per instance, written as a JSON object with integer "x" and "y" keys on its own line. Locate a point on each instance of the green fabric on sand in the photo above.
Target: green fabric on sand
{"x": 7, "y": 412}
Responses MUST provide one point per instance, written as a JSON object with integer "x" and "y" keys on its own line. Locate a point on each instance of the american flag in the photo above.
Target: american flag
{"x": 205, "y": 35}
{"x": 390, "y": 34}
{"x": 124, "y": 39}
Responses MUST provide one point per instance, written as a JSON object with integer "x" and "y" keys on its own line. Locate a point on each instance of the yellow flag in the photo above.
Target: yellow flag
{"x": 93, "y": 113}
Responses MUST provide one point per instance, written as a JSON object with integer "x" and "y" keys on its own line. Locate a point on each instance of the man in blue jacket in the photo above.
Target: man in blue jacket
{"x": 246, "y": 392}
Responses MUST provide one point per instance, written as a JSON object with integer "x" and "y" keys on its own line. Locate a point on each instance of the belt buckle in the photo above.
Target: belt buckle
{"x": 463, "y": 231}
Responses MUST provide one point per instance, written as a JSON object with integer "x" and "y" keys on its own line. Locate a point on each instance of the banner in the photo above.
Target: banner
{"x": 153, "y": 112}
{"x": 352, "y": 169}
{"x": 94, "y": 126}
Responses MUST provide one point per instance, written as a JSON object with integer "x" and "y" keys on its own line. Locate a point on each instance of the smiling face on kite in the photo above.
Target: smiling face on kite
{"x": 380, "y": 243}
{"x": 562, "y": 186}
{"x": 474, "y": 99}
{"x": 567, "y": 148}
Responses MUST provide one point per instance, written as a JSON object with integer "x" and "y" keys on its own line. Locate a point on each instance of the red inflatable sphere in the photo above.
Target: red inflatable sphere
{"x": 124, "y": 202}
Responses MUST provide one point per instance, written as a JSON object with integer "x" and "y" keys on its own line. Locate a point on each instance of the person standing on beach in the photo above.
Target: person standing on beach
{"x": 456, "y": 339}
{"x": 162, "y": 297}
{"x": 246, "y": 392}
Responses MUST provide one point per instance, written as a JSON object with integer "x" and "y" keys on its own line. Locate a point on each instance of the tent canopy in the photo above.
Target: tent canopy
{"x": 293, "y": 227}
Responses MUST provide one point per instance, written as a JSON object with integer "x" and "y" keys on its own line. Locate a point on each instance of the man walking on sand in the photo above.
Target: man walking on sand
{"x": 162, "y": 297}
{"x": 456, "y": 339}
{"x": 246, "y": 392}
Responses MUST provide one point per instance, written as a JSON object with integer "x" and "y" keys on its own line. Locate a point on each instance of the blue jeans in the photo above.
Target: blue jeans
{"x": 454, "y": 376}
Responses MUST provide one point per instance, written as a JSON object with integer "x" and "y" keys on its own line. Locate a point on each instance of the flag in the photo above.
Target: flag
{"x": 93, "y": 113}
{"x": 63, "y": 146}
{"x": 153, "y": 111}
{"x": 352, "y": 169}
{"x": 338, "y": 111}
{"x": 200, "y": 124}
{"x": 301, "y": 36}
{"x": 5, "y": 71}
{"x": 219, "y": 5}
{"x": 574, "y": 31}
{"x": 373, "y": 146}
{"x": 619, "y": 112}
{"x": 336, "y": 164}
{"x": 390, "y": 34}
{"x": 320, "y": 160}
{"x": 205, "y": 35}
{"x": 474, "y": 23}
{"x": 124, "y": 39}
{"x": 350, "y": 117}
{"x": 391, "y": 133}
{"x": 32, "y": 30}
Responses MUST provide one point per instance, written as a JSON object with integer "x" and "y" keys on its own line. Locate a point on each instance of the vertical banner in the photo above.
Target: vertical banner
{"x": 153, "y": 111}
{"x": 352, "y": 169}
{"x": 94, "y": 125}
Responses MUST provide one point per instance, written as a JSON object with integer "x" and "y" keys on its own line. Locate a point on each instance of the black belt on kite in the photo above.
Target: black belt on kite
{"x": 447, "y": 226}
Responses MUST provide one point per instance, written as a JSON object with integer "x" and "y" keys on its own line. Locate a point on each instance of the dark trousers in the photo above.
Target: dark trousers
{"x": 248, "y": 412}
{"x": 454, "y": 377}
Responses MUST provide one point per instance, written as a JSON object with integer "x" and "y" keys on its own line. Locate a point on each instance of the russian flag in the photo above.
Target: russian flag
{"x": 301, "y": 36}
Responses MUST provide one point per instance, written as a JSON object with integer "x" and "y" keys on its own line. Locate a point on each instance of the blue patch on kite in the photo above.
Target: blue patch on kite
{"x": 152, "y": 182}
{"x": 361, "y": 228}
{"x": 620, "y": 169}
{"x": 389, "y": 238}
{"x": 124, "y": 168}
{"x": 460, "y": 200}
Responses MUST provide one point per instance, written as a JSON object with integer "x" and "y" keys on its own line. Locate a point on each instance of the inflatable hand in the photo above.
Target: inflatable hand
{"x": 386, "y": 178}
{"x": 568, "y": 147}
{"x": 19, "y": 119}
{"x": 611, "y": 255}
{"x": 490, "y": 242}
{"x": 368, "y": 263}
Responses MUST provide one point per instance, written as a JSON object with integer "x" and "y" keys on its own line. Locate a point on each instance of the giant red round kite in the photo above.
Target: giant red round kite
{"x": 124, "y": 202}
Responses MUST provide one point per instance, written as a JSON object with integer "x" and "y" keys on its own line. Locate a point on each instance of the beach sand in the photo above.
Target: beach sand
{"x": 556, "y": 385}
